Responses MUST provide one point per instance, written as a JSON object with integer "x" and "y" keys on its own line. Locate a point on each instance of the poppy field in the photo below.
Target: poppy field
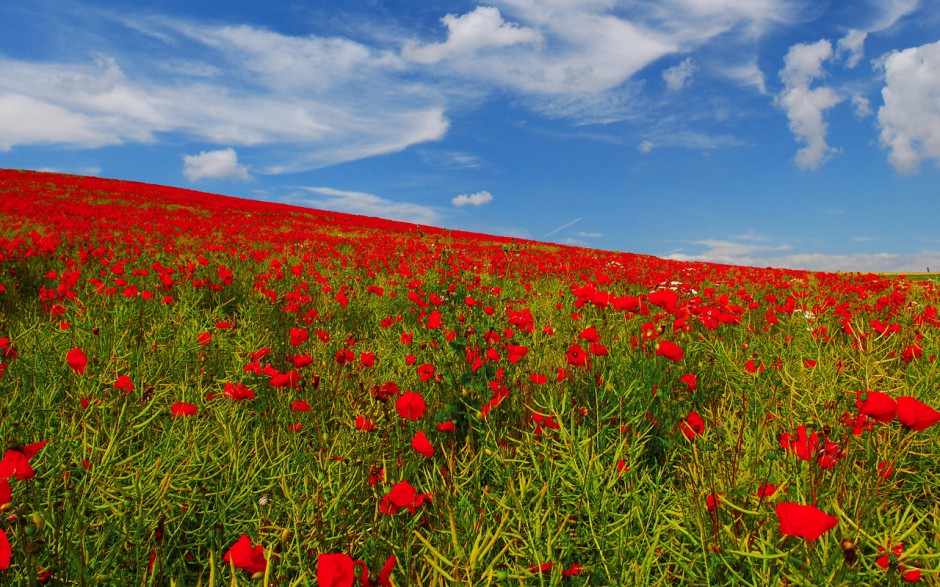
{"x": 203, "y": 390}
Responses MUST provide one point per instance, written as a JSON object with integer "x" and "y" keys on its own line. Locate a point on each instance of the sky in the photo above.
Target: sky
{"x": 789, "y": 133}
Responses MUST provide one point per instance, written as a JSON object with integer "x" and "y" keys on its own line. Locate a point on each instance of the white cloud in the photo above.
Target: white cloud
{"x": 310, "y": 101}
{"x": 851, "y": 47}
{"x": 889, "y": 12}
{"x": 748, "y": 74}
{"x": 646, "y": 147}
{"x": 477, "y": 199}
{"x": 221, "y": 164}
{"x": 590, "y": 234}
{"x": 734, "y": 253}
{"x": 806, "y": 107}
{"x": 910, "y": 116}
{"x": 679, "y": 76}
{"x": 467, "y": 34}
{"x": 576, "y": 58}
{"x": 861, "y": 105}
{"x": 365, "y": 204}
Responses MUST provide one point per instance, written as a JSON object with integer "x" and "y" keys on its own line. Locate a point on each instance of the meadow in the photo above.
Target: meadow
{"x": 202, "y": 390}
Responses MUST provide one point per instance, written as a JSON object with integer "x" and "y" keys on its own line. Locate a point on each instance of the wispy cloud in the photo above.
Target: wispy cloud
{"x": 366, "y": 204}
{"x": 309, "y": 101}
{"x": 561, "y": 228}
{"x": 785, "y": 256}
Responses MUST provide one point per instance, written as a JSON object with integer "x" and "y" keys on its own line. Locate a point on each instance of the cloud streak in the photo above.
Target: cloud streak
{"x": 365, "y": 204}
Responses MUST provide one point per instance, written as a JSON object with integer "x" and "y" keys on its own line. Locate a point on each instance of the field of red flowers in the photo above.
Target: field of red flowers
{"x": 196, "y": 389}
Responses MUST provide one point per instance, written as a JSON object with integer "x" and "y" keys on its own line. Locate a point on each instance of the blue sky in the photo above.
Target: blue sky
{"x": 787, "y": 133}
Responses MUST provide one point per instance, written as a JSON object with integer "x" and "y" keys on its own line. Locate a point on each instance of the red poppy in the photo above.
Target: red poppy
{"x": 916, "y": 415}
{"x": 447, "y": 426}
{"x": 712, "y": 502}
{"x": 670, "y": 350}
{"x": 766, "y": 490}
{"x": 805, "y": 521}
{"x": 238, "y": 391}
{"x": 576, "y": 356}
{"x": 16, "y": 462}
{"x": 664, "y": 298}
{"x": 6, "y": 493}
{"x": 204, "y": 338}
{"x": 692, "y": 426}
{"x": 364, "y": 424}
{"x": 335, "y": 570}
{"x": 912, "y": 352}
{"x": 5, "y": 551}
{"x": 183, "y": 409}
{"x": 877, "y": 405}
{"x": 124, "y": 384}
{"x": 691, "y": 380}
{"x": 77, "y": 360}
{"x": 298, "y": 336}
{"x": 367, "y": 359}
{"x": 402, "y": 495}
{"x": 299, "y": 406}
{"x": 422, "y": 445}
{"x": 245, "y": 556}
{"x": 410, "y": 405}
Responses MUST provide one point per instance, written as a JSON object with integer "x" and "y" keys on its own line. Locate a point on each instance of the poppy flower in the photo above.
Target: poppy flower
{"x": 410, "y": 405}
{"x": 124, "y": 384}
{"x": 692, "y": 426}
{"x": 6, "y": 493}
{"x": 402, "y": 495}
{"x": 183, "y": 409}
{"x": 912, "y": 352}
{"x": 691, "y": 381}
{"x": 299, "y": 406}
{"x": 447, "y": 426}
{"x": 16, "y": 462}
{"x": 664, "y": 298}
{"x": 422, "y": 445}
{"x": 805, "y": 521}
{"x": 916, "y": 415}
{"x": 766, "y": 490}
{"x": 238, "y": 392}
{"x": 245, "y": 556}
{"x": 204, "y": 338}
{"x": 77, "y": 360}
{"x": 670, "y": 350}
{"x": 335, "y": 570}
{"x": 879, "y": 406}
{"x": 298, "y": 336}
{"x": 576, "y": 356}
{"x": 364, "y": 424}
{"x": 5, "y": 551}
{"x": 712, "y": 502}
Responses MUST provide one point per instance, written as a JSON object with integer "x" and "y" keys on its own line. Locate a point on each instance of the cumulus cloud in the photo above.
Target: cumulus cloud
{"x": 477, "y": 199}
{"x": 861, "y": 105}
{"x": 910, "y": 117}
{"x": 365, "y": 204}
{"x": 467, "y": 34}
{"x": 221, "y": 164}
{"x": 806, "y": 107}
{"x": 678, "y": 76}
